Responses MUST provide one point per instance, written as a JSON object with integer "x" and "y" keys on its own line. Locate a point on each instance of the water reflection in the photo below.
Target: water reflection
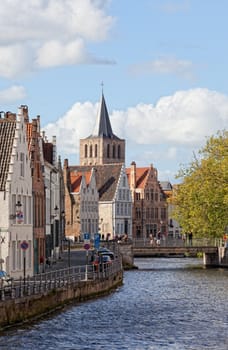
{"x": 165, "y": 304}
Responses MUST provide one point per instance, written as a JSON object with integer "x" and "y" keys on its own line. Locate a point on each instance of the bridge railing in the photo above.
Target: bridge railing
{"x": 176, "y": 242}
{"x": 49, "y": 281}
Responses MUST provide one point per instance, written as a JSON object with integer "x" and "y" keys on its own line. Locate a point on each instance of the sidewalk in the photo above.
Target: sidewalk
{"x": 72, "y": 258}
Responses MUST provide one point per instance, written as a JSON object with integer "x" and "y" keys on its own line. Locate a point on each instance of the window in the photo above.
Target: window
{"x": 137, "y": 196}
{"x": 138, "y": 213}
{"x": 119, "y": 152}
{"x": 163, "y": 213}
{"x": 114, "y": 151}
{"x": 90, "y": 151}
{"x": 95, "y": 151}
{"x": 22, "y": 164}
{"x": 124, "y": 181}
{"x": 108, "y": 151}
{"x": 86, "y": 151}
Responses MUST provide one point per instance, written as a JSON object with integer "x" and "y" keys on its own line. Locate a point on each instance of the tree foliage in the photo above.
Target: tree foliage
{"x": 201, "y": 200}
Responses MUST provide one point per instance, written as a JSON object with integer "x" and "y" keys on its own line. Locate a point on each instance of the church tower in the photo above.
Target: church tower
{"x": 102, "y": 147}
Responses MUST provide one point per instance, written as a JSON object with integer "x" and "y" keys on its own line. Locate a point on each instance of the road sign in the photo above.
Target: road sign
{"x": 96, "y": 240}
{"x": 24, "y": 245}
{"x": 86, "y": 236}
{"x": 87, "y": 246}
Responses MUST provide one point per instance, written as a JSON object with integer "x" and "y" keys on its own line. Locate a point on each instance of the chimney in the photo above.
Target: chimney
{"x": 24, "y": 109}
{"x": 133, "y": 175}
{"x": 10, "y": 116}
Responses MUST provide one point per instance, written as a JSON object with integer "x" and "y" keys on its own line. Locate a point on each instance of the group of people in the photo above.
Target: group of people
{"x": 155, "y": 240}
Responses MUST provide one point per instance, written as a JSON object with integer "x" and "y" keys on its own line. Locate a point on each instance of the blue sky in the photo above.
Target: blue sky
{"x": 163, "y": 65}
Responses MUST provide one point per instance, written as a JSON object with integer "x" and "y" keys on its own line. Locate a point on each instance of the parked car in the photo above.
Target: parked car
{"x": 101, "y": 261}
{"x": 106, "y": 259}
{"x": 5, "y": 279}
{"x": 106, "y": 251}
{"x": 111, "y": 254}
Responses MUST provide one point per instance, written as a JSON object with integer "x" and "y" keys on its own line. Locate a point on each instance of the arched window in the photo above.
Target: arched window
{"x": 86, "y": 151}
{"x": 113, "y": 151}
{"x": 90, "y": 151}
{"x": 108, "y": 151}
{"x": 119, "y": 153}
{"x": 95, "y": 151}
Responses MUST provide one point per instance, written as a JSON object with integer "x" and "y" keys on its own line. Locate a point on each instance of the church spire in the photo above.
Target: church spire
{"x": 103, "y": 126}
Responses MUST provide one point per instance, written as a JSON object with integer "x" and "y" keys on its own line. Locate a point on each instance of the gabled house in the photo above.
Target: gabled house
{"x": 81, "y": 202}
{"x": 54, "y": 199}
{"x": 38, "y": 188}
{"x": 16, "y": 219}
{"x": 115, "y": 203}
{"x": 174, "y": 228}
{"x": 150, "y": 215}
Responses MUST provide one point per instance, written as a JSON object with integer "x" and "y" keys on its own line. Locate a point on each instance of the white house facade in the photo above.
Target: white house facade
{"x": 16, "y": 220}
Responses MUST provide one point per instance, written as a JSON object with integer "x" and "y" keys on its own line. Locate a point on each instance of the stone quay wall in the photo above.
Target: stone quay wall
{"x": 17, "y": 311}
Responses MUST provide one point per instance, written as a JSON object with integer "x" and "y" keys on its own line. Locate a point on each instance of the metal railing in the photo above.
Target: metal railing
{"x": 49, "y": 281}
{"x": 177, "y": 242}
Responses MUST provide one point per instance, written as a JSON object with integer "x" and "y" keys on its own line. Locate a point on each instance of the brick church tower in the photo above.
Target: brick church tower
{"x": 102, "y": 147}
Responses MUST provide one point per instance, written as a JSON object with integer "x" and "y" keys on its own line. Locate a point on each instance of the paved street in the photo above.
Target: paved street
{"x": 75, "y": 257}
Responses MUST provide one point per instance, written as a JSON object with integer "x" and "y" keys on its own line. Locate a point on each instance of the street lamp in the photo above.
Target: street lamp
{"x": 54, "y": 230}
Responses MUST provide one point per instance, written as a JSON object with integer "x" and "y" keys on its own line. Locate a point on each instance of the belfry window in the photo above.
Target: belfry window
{"x": 108, "y": 151}
{"x": 95, "y": 151}
{"x": 86, "y": 151}
{"x": 90, "y": 151}
{"x": 113, "y": 151}
{"x": 118, "y": 151}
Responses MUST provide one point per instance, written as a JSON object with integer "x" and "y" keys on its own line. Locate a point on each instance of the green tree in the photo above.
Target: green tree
{"x": 201, "y": 200}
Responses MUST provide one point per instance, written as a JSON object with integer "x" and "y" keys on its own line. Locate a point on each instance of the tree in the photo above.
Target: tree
{"x": 201, "y": 200}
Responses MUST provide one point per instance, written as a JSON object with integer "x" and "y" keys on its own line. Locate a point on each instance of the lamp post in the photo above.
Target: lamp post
{"x": 54, "y": 230}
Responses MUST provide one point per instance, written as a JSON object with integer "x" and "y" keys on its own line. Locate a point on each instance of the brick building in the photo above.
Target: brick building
{"x": 149, "y": 202}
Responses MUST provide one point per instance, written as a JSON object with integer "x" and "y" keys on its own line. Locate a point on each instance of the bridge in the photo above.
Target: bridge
{"x": 174, "y": 246}
{"x": 210, "y": 248}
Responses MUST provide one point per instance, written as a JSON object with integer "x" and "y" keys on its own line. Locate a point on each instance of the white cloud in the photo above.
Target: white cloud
{"x": 13, "y": 93}
{"x": 168, "y": 131}
{"x": 166, "y": 65}
{"x": 60, "y": 30}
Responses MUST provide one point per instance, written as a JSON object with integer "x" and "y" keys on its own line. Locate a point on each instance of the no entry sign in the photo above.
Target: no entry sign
{"x": 24, "y": 245}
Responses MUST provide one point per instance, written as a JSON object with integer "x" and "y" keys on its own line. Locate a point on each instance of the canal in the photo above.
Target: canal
{"x": 168, "y": 304}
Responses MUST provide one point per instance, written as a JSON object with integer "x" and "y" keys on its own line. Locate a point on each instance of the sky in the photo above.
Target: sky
{"x": 162, "y": 65}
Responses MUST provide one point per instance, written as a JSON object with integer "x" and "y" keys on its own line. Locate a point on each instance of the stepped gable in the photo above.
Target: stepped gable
{"x": 7, "y": 134}
{"x": 103, "y": 126}
{"x": 76, "y": 178}
{"x": 141, "y": 176}
{"x": 107, "y": 177}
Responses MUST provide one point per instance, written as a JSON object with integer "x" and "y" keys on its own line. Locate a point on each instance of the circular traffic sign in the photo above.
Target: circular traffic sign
{"x": 24, "y": 245}
{"x": 87, "y": 246}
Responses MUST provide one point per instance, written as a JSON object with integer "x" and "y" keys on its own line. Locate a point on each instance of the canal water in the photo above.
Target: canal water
{"x": 166, "y": 304}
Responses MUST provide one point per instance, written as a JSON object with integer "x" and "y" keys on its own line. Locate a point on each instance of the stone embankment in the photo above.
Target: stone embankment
{"x": 39, "y": 297}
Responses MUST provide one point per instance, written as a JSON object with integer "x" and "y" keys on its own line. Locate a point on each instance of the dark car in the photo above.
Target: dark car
{"x": 106, "y": 259}
{"x": 111, "y": 254}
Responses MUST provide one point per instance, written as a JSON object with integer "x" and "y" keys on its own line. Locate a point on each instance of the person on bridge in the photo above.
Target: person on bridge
{"x": 190, "y": 238}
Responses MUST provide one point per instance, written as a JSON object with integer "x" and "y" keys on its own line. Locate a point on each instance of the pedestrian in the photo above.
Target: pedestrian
{"x": 190, "y": 238}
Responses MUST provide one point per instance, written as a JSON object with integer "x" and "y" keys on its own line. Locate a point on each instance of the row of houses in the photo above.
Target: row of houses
{"x": 43, "y": 201}
{"x": 31, "y": 195}
{"x": 131, "y": 200}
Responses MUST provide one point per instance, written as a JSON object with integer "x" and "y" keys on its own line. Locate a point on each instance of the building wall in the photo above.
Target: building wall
{"x": 150, "y": 214}
{"x": 20, "y": 189}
